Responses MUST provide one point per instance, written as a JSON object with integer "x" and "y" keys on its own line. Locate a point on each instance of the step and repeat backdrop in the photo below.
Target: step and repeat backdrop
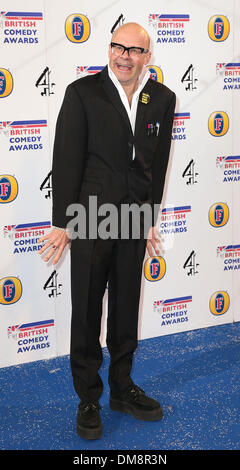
{"x": 195, "y": 283}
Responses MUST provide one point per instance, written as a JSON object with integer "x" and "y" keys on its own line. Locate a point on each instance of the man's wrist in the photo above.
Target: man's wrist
{"x": 67, "y": 230}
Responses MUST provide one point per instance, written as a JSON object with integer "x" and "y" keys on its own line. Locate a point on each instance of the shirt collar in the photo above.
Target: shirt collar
{"x": 142, "y": 79}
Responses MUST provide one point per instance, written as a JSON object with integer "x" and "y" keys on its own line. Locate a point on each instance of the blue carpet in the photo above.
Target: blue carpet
{"x": 195, "y": 376}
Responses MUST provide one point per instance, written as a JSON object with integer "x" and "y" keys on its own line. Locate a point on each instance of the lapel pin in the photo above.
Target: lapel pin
{"x": 144, "y": 98}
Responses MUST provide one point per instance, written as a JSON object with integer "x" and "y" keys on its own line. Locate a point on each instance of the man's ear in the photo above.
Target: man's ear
{"x": 109, "y": 51}
{"x": 147, "y": 57}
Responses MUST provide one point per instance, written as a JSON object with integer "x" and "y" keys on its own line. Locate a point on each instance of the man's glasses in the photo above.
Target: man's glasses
{"x": 119, "y": 49}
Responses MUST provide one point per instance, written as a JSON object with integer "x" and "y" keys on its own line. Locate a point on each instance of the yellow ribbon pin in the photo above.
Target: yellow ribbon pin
{"x": 145, "y": 98}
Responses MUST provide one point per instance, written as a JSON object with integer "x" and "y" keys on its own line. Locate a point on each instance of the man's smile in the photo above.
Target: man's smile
{"x": 123, "y": 67}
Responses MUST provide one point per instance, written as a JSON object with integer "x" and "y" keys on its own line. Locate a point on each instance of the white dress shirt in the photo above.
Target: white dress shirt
{"x": 132, "y": 111}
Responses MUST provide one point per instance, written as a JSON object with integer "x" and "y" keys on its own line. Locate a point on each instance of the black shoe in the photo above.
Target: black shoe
{"x": 136, "y": 403}
{"x": 89, "y": 424}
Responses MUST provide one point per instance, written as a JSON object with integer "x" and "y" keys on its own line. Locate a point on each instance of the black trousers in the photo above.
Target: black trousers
{"x": 116, "y": 264}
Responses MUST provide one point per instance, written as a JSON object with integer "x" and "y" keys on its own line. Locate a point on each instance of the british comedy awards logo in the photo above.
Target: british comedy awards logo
{"x": 179, "y": 130}
{"x": 174, "y": 220}
{"x": 230, "y": 168}
{"x": 25, "y": 237}
{"x": 20, "y": 27}
{"x": 173, "y": 311}
{"x": 84, "y": 70}
{"x": 23, "y": 135}
{"x": 30, "y": 337}
{"x": 229, "y": 255}
{"x": 170, "y": 28}
{"x": 229, "y": 75}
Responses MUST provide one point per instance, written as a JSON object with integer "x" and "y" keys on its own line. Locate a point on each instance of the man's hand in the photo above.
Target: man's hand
{"x": 57, "y": 240}
{"x": 153, "y": 241}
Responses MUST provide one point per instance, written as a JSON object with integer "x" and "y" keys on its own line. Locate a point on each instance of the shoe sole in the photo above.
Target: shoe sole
{"x": 123, "y": 407}
{"x": 89, "y": 433}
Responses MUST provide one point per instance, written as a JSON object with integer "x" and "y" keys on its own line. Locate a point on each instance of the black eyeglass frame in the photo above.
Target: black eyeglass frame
{"x": 141, "y": 49}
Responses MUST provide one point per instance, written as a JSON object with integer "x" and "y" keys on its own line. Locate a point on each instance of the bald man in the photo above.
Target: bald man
{"x": 112, "y": 141}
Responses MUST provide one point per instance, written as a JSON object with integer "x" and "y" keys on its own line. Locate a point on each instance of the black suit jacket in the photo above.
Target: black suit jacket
{"x": 93, "y": 146}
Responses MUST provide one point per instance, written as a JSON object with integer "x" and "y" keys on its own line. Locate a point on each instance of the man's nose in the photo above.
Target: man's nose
{"x": 125, "y": 54}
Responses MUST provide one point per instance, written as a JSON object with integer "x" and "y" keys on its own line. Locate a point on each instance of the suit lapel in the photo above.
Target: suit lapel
{"x": 114, "y": 97}
{"x": 142, "y": 107}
